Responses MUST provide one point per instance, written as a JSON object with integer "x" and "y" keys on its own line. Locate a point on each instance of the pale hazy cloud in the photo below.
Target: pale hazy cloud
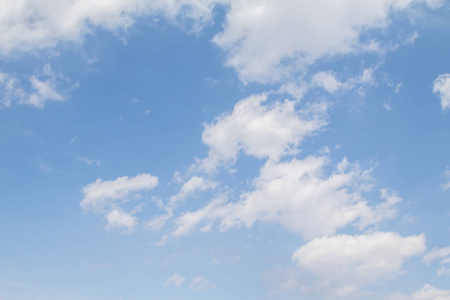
{"x": 201, "y": 283}
{"x": 38, "y": 89}
{"x": 446, "y": 185}
{"x": 427, "y": 292}
{"x": 176, "y": 279}
{"x": 436, "y": 253}
{"x": 442, "y": 89}
{"x": 194, "y": 185}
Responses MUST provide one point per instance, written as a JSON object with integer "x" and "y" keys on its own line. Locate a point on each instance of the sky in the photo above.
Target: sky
{"x": 224, "y": 149}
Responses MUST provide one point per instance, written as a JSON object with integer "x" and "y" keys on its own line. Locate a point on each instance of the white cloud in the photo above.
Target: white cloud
{"x": 301, "y": 196}
{"x": 345, "y": 263}
{"x": 300, "y": 33}
{"x": 193, "y": 185}
{"x": 262, "y": 131}
{"x": 119, "y": 220}
{"x": 201, "y": 283}
{"x": 106, "y": 197}
{"x": 427, "y": 292}
{"x": 175, "y": 279}
{"x": 36, "y": 90}
{"x": 30, "y": 24}
{"x": 100, "y": 195}
{"x": 436, "y": 253}
{"x": 328, "y": 81}
{"x": 442, "y": 88}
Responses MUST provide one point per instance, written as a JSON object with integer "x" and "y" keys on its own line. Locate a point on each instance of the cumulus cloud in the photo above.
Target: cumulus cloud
{"x": 345, "y": 263}
{"x": 259, "y": 130}
{"x": 301, "y": 32}
{"x": 176, "y": 279}
{"x": 31, "y": 24}
{"x": 37, "y": 89}
{"x": 201, "y": 283}
{"x": 427, "y": 292}
{"x": 301, "y": 196}
{"x": 442, "y": 89}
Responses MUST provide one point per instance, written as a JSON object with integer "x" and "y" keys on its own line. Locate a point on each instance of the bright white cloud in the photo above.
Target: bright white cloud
{"x": 442, "y": 88}
{"x": 119, "y": 220}
{"x": 427, "y": 292}
{"x": 262, "y": 131}
{"x": 300, "y": 32}
{"x": 201, "y": 283}
{"x": 30, "y": 24}
{"x": 301, "y": 196}
{"x": 43, "y": 87}
{"x": 101, "y": 195}
{"x": 193, "y": 185}
{"x": 345, "y": 263}
{"x": 176, "y": 279}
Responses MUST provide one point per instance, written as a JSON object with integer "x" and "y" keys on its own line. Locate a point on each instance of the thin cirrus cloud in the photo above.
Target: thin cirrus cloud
{"x": 357, "y": 260}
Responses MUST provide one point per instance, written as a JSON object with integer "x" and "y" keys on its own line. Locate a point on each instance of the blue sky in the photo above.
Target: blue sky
{"x": 224, "y": 149}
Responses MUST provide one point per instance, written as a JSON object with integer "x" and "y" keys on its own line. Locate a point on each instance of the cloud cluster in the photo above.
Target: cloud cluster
{"x": 301, "y": 32}
{"x": 442, "y": 89}
{"x": 301, "y": 196}
{"x": 346, "y": 262}
{"x": 105, "y": 197}
{"x": 30, "y": 24}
